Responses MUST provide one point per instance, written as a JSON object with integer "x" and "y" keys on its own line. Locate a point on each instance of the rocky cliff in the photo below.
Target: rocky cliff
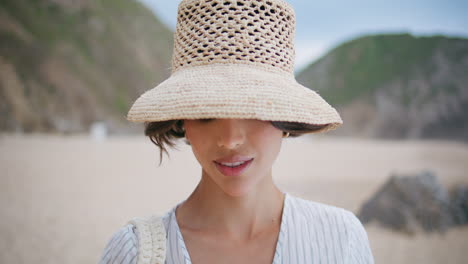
{"x": 65, "y": 64}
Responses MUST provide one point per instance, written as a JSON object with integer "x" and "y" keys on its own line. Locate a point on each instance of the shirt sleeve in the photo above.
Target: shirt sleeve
{"x": 122, "y": 248}
{"x": 358, "y": 242}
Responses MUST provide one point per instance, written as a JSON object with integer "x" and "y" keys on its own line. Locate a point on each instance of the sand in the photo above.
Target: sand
{"x": 62, "y": 197}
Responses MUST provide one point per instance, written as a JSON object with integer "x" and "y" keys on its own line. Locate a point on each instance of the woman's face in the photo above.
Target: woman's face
{"x": 219, "y": 141}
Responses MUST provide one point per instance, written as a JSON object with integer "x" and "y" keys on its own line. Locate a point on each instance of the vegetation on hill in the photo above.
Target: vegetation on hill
{"x": 396, "y": 86}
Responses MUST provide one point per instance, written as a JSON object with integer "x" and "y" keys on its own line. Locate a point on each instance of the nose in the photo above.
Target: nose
{"x": 231, "y": 133}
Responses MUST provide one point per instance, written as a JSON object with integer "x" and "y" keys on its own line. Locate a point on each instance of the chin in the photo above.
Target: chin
{"x": 237, "y": 186}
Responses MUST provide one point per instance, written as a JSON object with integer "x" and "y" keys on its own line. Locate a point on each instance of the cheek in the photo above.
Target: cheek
{"x": 200, "y": 148}
{"x": 269, "y": 134}
{"x": 192, "y": 133}
{"x": 268, "y": 143}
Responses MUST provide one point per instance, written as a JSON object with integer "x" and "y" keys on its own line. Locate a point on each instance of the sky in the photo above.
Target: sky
{"x": 323, "y": 25}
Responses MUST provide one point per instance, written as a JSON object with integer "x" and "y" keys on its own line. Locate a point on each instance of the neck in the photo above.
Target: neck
{"x": 241, "y": 217}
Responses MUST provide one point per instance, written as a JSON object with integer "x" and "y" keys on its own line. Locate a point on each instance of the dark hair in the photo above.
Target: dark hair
{"x": 167, "y": 132}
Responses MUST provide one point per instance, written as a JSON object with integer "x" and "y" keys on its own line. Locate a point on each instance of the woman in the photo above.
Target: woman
{"x": 233, "y": 97}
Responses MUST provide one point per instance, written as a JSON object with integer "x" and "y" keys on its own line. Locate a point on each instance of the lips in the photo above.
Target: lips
{"x": 233, "y": 165}
{"x": 233, "y": 159}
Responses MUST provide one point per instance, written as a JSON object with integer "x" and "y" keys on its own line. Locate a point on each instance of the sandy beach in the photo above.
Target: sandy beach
{"x": 62, "y": 197}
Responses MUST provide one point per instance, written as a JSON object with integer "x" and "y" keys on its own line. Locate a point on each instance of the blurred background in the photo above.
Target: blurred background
{"x": 73, "y": 170}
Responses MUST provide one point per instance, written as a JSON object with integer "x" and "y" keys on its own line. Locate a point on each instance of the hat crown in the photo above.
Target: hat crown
{"x": 259, "y": 33}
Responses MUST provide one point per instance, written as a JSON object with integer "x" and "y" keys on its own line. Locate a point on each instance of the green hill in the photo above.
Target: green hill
{"x": 66, "y": 64}
{"x": 396, "y": 86}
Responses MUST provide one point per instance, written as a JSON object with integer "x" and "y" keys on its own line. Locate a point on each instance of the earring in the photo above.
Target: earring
{"x": 285, "y": 134}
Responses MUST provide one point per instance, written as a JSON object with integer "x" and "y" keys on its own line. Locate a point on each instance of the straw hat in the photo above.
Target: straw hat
{"x": 234, "y": 59}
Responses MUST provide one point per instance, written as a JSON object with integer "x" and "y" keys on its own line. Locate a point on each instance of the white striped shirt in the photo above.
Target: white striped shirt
{"x": 310, "y": 232}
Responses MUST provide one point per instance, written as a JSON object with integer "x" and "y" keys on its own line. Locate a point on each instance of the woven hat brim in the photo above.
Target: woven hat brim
{"x": 233, "y": 91}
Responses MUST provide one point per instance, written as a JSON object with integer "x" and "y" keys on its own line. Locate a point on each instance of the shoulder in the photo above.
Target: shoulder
{"x": 122, "y": 247}
{"x": 314, "y": 211}
{"x": 334, "y": 226}
{"x": 326, "y": 216}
